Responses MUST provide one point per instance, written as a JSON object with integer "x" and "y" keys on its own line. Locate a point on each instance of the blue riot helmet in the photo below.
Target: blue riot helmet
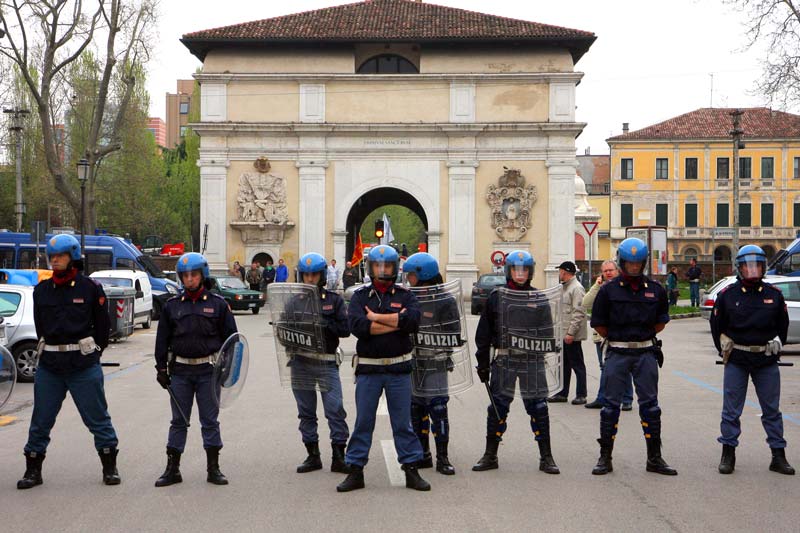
{"x": 519, "y": 259}
{"x": 192, "y": 261}
{"x": 64, "y": 244}
{"x": 386, "y": 260}
{"x": 632, "y": 250}
{"x": 751, "y": 263}
{"x": 424, "y": 267}
{"x": 311, "y": 263}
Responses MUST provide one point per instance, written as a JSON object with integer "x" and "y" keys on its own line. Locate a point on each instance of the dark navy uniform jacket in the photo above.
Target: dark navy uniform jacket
{"x": 193, "y": 329}
{"x": 66, "y": 314}
{"x": 630, "y": 315}
{"x": 488, "y": 333}
{"x": 395, "y": 300}
{"x": 333, "y": 319}
{"x": 750, "y": 316}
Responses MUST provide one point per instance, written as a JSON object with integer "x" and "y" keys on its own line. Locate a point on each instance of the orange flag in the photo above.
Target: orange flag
{"x": 358, "y": 252}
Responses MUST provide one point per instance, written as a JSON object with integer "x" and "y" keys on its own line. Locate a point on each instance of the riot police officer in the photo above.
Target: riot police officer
{"x": 519, "y": 269}
{"x": 383, "y": 315}
{"x": 749, "y": 325}
{"x": 422, "y": 270}
{"x": 312, "y": 268}
{"x": 628, "y": 312}
{"x": 191, "y": 331}
{"x": 72, "y": 323}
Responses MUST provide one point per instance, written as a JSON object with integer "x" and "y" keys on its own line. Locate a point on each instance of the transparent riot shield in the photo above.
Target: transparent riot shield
{"x": 528, "y": 360}
{"x": 8, "y": 375}
{"x": 299, "y": 331}
{"x": 230, "y": 370}
{"x": 441, "y": 351}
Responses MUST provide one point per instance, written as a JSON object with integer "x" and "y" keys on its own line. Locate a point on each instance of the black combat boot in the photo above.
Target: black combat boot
{"x": 212, "y": 459}
{"x": 313, "y": 461}
{"x": 604, "y": 465}
{"x": 108, "y": 456}
{"x": 443, "y": 465}
{"x": 489, "y": 459}
{"x": 779, "y": 463}
{"x": 655, "y": 463}
{"x": 413, "y": 479}
{"x": 337, "y": 459}
{"x": 728, "y": 461}
{"x": 546, "y": 462}
{"x": 172, "y": 474}
{"x": 427, "y": 458}
{"x": 33, "y": 471}
{"x": 353, "y": 481}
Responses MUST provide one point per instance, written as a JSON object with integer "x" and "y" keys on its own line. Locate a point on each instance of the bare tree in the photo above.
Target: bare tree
{"x": 46, "y": 36}
{"x": 775, "y": 24}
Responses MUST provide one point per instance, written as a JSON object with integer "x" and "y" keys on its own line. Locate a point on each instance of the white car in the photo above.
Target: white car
{"x": 137, "y": 280}
{"x": 16, "y": 309}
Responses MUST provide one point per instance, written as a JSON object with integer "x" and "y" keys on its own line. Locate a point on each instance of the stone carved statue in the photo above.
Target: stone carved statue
{"x": 511, "y": 202}
{"x": 262, "y": 198}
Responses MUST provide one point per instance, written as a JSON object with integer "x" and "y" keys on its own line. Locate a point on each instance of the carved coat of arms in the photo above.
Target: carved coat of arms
{"x": 511, "y": 202}
{"x": 262, "y": 197}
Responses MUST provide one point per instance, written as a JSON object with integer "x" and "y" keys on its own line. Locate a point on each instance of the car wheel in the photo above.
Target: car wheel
{"x": 149, "y": 321}
{"x": 26, "y": 358}
{"x": 255, "y": 310}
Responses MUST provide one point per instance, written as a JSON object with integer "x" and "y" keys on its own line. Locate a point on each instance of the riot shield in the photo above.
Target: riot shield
{"x": 441, "y": 351}
{"x": 530, "y": 342}
{"x": 8, "y": 375}
{"x": 299, "y": 331}
{"x": 230, "y": 370}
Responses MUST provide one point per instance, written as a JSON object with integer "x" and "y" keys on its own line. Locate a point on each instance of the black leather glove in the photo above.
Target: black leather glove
{"x": 163, "y": 378}
{"x": 483, "y": 373}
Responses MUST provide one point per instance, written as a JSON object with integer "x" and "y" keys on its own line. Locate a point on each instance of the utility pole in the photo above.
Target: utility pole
{"x": 736, "y": 133}
{"x": 16, "y": 127}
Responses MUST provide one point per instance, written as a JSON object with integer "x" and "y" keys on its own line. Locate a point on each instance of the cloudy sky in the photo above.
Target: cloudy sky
{"x": 652, "y": 59}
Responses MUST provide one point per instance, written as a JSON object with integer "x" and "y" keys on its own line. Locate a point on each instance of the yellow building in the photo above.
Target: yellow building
{"x": 679, "y": 174}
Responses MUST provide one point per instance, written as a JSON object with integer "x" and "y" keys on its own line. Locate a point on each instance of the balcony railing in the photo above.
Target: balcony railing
{"x": 598, "y": 189}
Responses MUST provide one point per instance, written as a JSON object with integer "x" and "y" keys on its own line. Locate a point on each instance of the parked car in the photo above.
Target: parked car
{"x": 237, "y": 294}
{"x": 137, "y": 280}
{"x": 481, "y": 290}
{"x": 16, "y": 309}
{"x": 707, "y": 298}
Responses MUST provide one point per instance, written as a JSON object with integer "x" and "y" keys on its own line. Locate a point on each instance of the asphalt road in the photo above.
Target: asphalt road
{"x": 262, "y": 448}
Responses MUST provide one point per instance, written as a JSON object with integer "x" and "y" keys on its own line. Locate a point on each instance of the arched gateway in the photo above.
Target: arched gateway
{"x": 467, "y": 119}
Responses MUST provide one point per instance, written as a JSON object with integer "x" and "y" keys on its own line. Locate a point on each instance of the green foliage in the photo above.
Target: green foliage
{"x": 406, "y": 226}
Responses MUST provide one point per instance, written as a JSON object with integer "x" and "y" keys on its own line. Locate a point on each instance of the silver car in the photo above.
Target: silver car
{"x": 16, "y": 308}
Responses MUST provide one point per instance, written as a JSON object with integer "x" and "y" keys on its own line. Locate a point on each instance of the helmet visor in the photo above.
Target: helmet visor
{"x": 751, "y": 268}
{"x": 383, "y": 270}
{"x": 519, "y": 273}
{"x": 633, "y": 268}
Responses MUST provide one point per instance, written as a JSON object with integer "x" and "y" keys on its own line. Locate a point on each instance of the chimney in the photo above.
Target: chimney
{"x": 625, "y": 127}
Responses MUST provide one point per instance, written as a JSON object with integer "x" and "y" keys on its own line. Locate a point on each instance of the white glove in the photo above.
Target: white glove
{"x": 774, "y": 346}
{"x": 726, "y": 343}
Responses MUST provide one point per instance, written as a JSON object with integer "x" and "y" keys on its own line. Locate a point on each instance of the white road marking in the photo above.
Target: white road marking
{"x": 396, "y": 475}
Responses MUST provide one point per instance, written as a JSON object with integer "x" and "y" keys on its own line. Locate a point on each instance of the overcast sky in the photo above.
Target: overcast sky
{"x": 652, "y": 59}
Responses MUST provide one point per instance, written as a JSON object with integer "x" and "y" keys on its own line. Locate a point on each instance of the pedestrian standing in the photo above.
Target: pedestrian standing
{"x": 672, "y": 286}
{"x": 332, "y": 275}
{"x": 253, "y": 277}
{"x": 694, "y": 275}
{"x": 282, "y": 272}
{"x": 350, "y": 275}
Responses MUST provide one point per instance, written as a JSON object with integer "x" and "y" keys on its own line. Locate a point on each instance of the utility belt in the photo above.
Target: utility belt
{"x": 86, "y": 346}
{"x": 332, "y": 357}
{"x": 750, "y": 349}
{"x": 653, "y": 343}
{"x": 385, "y": 361}
{"x": 211, "y": 359}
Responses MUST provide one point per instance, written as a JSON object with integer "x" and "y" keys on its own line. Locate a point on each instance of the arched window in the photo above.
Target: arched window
{"x": 690, "y": 253}
{"x": 387, "y": 64}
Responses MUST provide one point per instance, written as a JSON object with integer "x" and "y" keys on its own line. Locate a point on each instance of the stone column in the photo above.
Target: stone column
{"x": 461, "y": 236}
{"x": 561, "y": 189}
{"x": 214, "y": 212}
{"x": 340, "y": 247}
{"x": 311, "y": 209}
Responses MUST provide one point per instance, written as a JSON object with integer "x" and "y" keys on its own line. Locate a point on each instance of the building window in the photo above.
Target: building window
{"x": 184, "y": 108}
{"x": 690, "y": 253}
{"x": 661, "y": 214}
{"x": 691, "y": 168}
{"x": 723, "y": 212}
{"x": 767, "y": 168}
{"x": 183, "y": 131}
{"x": 387, "y": 64}
{"x": 723, "y": 168}
{"x": 690, "y": 215}
{"x": 796, "y": 173}
{"x": 796, "y": 209}
{"x": 662, "y": 168}
{"x": 766, "y": 215}
{"x": 626, "y": 215}
{"x": 745, "y": 168}
{"x": 744, "y": 215}
{"x": 627, "y": 169}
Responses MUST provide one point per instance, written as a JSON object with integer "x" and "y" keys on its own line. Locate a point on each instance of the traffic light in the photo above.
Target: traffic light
{"x": 379, "y": 229}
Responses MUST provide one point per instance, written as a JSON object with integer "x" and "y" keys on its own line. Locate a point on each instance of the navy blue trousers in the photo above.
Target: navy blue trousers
{"x": 767, "y": 381}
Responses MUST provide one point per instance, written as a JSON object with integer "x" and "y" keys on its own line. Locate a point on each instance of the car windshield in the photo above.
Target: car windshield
{"x": 492, "y": 280}
{"x": 231, "y": 283}
{"x": 115, "y": 282}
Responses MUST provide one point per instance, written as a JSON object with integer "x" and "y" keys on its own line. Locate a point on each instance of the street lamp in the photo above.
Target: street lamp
{"x": 83, "y": 175}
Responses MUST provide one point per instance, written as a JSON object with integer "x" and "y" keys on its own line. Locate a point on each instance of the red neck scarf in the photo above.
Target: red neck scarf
{"x": 513, "y": 286}
{"x": 382, "y": 286}
{"x": 62, "y": 277}
{"x": 194, "y": 295}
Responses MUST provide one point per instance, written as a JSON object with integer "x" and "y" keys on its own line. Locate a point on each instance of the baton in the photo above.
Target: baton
{"x": 780, "y": 363}
{"x": 491, "y": 399}
{"x": 185, "y": 420}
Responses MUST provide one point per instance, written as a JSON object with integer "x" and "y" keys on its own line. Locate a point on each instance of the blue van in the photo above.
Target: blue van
{"x": 102, "y": 252}
{"x": 786, "y": 262}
